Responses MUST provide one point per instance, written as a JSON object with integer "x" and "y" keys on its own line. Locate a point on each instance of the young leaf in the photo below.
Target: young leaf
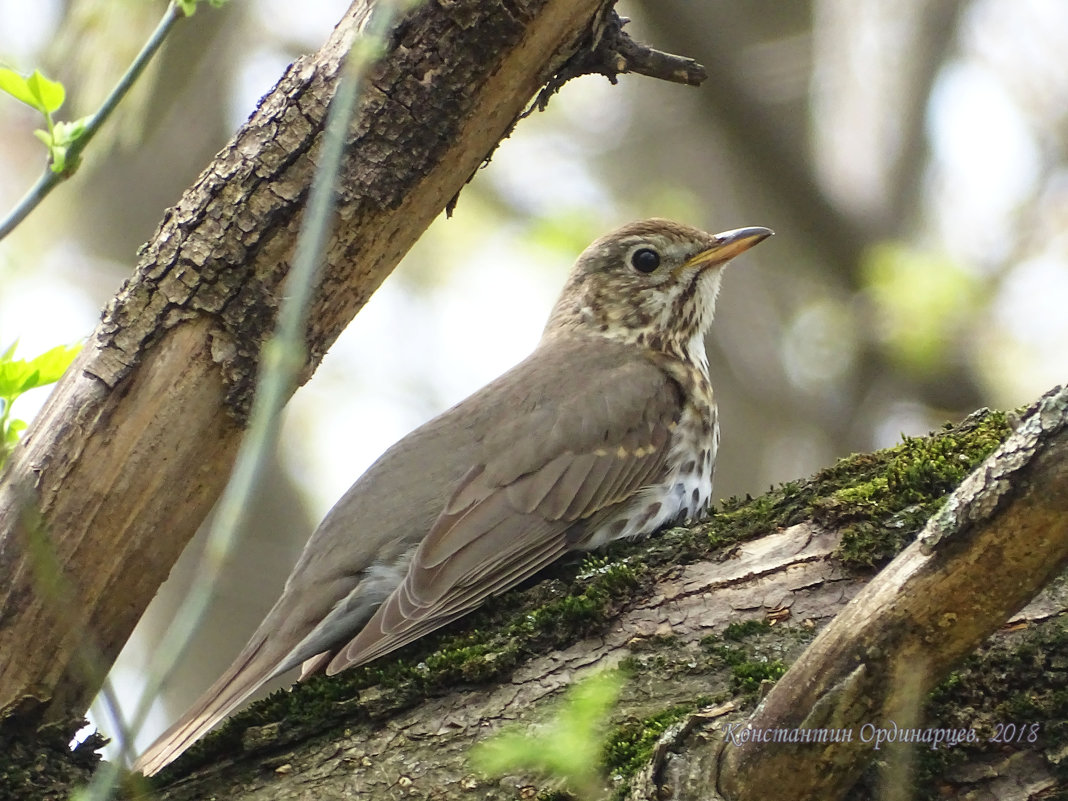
{"x": 13, "y": 377}
{"x": 15, "y": 85}
{"x": 67, "y": 133}
{"x": 59, "y": 142}
{"x": 49, "y": 94}
{"x": 35, "y": 91}
{"x": 567, "y": 747}
{"x": 53, "y": 363}
{"x": 19, "y": 375}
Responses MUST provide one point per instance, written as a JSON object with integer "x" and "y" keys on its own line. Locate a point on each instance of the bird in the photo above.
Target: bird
{"x": 607, "y": 430}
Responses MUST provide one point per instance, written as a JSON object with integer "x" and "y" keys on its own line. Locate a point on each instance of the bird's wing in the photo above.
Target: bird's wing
{"x": 525, "y": 504}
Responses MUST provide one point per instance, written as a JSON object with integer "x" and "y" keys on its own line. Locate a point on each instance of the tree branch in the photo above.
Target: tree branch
{"x": 665, "y": 609}
{"x": 695, "y": 617}
{"x": 1001, "y": 537}
{"x": 611, "y": 52}
{"x": 49, "y": 180}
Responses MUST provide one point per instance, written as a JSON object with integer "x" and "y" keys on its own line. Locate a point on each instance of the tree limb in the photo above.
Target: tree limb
{"x": 661, "y": 610}
{"x": 1001, "y": 537}
{"x": 611, "y": 52}
{"x": 695, "y": 617}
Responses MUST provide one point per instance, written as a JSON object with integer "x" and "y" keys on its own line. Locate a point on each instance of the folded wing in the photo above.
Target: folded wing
{"x": 526, "y": 505}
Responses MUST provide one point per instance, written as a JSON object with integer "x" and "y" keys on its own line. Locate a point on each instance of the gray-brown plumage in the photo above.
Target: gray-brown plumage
{"x": 607, "y": 430}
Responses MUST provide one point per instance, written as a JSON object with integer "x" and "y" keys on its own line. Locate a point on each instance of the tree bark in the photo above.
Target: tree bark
{"x": 672, "y": 614}
{"x": 701, "y": 620}
{"x": 1000, "y": 538}
{"x": 137, "y": 440}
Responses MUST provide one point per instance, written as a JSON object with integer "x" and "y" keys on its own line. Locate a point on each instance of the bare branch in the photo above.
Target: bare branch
{"x": 611, "y": 52}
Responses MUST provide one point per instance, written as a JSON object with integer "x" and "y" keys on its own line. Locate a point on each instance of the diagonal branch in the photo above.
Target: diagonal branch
{"x": 1001, "y": 537}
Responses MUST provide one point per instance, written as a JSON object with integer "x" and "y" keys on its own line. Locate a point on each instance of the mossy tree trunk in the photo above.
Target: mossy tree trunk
{"x": 702, "y": 620}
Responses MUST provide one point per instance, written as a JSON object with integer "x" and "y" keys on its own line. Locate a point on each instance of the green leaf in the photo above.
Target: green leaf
{"x": 13, "y": 377}
{"x": 54, "y": 363}
{"x": 57, "y": 155}
{"x": 35, "y": 91}
{"x": 64, "y": 135}
{"x": 189, "y": 7}
{"x": 19, "y": 375}
{"x": 16, "y": 86}
{"x": 59, "y": 141}
{"x": 50, "y": 94}
{"x": 30, "y": 381}
{"x": 67, "y": 133}
{"x": 568, "y": 747}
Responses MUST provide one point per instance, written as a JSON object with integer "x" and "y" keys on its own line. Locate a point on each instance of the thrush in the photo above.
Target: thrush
{"x": 607, "y": 430}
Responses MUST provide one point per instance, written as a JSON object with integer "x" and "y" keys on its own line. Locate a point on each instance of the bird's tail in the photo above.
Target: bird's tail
{"x": 253, "y": 666}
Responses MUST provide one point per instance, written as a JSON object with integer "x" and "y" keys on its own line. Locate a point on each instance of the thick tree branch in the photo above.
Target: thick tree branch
{"x": 695, "y": 617}
{"x": 1001, "y": 536}
{"x": 135, "y": 443}
{"x": 660, "y": 608}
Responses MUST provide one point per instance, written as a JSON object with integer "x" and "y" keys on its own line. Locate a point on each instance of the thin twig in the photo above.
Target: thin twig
{"x": 50, "y": 180}
{"x": 611, "y": 52}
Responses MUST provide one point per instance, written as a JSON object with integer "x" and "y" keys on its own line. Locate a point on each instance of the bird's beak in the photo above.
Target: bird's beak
{"x": 728, "y": 245}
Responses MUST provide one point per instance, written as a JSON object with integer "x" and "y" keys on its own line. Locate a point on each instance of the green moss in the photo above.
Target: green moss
{"x": 555, "y": 795}
{"x": 748, "y": 671}
{"x": 753, "y": 652}
{"x": 879, "y": 501}
{"x": 1015, "y": 685}
{"x": 748, "y": 676}
{"x": 36, "y": 761}
{"x": 481, "y": 649}
{"x": 747, "y": 628}
{"x": 740, "y": 519}
{"x": 629, "y": 746}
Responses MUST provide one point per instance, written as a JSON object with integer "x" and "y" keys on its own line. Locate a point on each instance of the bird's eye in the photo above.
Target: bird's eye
{"x": 645, "y": 260}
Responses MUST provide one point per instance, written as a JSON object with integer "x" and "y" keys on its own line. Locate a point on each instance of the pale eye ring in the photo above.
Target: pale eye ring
{"x": 645, "y": 260}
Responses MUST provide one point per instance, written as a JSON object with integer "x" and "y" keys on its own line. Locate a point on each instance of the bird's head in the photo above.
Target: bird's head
{"x": 652, "y": 282}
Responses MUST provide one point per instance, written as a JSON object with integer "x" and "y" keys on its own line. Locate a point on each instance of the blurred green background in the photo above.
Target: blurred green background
{"x": 910, "y": 156}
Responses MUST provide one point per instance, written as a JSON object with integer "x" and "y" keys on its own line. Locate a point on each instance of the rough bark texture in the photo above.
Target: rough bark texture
{"x": 672, "y": 613}
{"x": 999, "y": 539}
{"x": 423, "y": 751}
{"x": 137, "y": 440}
{"x": 699, "y": 620}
